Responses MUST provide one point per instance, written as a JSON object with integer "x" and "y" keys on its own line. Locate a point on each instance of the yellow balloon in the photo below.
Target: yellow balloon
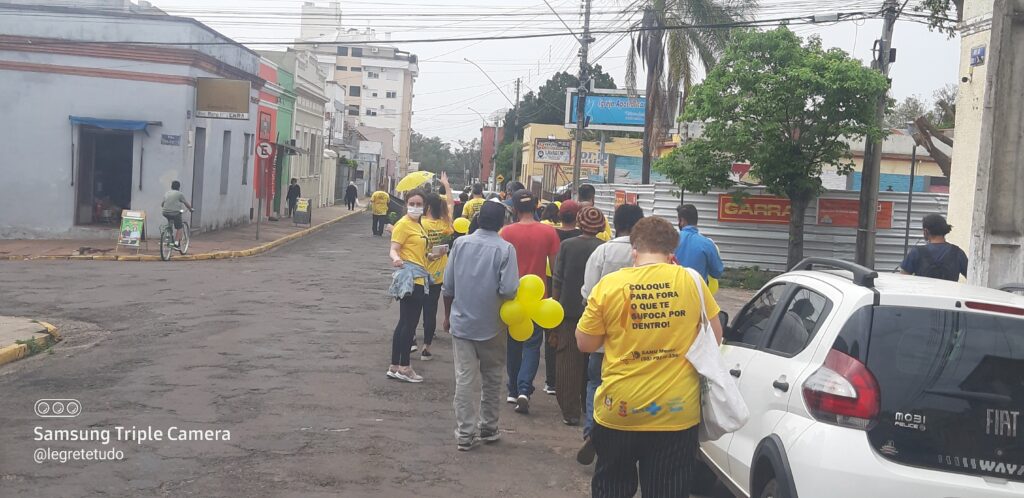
{"x": 521, "y": 331}
{"x": 531, "y": 289}
{"x": 461, "y": 225}
{"x": 713, "y": 285}
{"x": 549, "y": 314}
{"x": 512, "y": 312}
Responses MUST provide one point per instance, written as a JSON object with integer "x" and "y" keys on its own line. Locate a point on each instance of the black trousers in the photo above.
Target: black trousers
{"x": 410, "y": 308}
{"x": 351, "y": 204}
{"x": 660, "y": 462}
{"x": 379, "y": 220}
{"x": 430, "y": 314}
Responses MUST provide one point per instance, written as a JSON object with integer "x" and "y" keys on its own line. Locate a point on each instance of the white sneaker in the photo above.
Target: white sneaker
{"x": 511, "y": 400}
{"x": 412, "y": 376}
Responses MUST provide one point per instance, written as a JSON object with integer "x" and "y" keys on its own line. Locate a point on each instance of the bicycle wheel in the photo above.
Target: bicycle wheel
{"x": 184, "y": 238}
{"x": 166, "y": 239}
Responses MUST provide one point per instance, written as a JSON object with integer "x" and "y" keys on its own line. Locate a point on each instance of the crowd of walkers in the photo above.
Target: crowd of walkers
{"x": 615, "y": 364}
{"x": 633, "y": 306}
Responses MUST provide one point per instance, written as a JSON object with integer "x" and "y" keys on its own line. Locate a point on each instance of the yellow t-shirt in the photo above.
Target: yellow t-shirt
{"x": 379, "y": 201}
{"x": 606, "y": 235}
{"x": 556, "y": 225}
{"x": 413, "y": 239}
{"x": 649, "y": 316}
{"x": 471, "y": 208}
{"x": 438, "y": 232}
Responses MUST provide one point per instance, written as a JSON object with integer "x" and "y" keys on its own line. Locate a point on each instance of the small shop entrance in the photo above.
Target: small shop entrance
{"x": 104, "y": 180}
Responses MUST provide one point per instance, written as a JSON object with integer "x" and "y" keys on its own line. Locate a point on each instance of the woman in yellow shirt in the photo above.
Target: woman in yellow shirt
{"x": 437, "y": 222}
{"x": 409, "y": 247}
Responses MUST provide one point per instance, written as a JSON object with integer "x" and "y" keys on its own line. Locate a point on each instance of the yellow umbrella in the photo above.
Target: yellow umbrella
{"x": 413, "y": 180}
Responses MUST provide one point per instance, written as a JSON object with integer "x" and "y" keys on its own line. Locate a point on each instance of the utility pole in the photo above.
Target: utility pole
{"x": 515, "y": 132}
{"x": 868, "y": 212}
{"x": 581, "y": 96}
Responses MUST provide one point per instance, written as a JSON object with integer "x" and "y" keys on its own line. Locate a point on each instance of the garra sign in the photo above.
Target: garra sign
{"x": 754, "y": 209}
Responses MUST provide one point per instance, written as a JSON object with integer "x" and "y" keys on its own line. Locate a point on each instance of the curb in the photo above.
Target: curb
{"x": 16, "y": 352}
{"x": 241, "y": 253}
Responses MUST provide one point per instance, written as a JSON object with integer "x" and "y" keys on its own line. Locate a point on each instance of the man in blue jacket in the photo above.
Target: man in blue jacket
{"x": 695, "y": 250}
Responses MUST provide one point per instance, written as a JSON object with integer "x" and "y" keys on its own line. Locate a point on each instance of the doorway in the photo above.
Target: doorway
{"x": 104, "y": 175}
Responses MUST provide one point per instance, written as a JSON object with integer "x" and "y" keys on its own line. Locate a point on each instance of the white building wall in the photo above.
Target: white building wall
{"x": 38, "y": 151}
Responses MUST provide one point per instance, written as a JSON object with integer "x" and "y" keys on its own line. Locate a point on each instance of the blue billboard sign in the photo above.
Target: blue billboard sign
{"x": 610, "y": 112}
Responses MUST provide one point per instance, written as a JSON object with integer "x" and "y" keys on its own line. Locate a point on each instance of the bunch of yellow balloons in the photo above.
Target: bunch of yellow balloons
{"x": 528, "y": 307}
{"x": 461, "y": 225}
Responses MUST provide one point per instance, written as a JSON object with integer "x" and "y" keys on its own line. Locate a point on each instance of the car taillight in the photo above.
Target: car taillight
{"x": 843, "y": 392}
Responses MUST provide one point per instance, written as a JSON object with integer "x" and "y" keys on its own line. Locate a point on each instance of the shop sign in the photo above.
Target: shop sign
{"x": 846, "y": 213}
{"x": 754, "y": 209}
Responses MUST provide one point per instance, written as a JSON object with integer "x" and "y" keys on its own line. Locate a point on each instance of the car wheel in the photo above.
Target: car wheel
{"x": 704, "y": 479}
{"x": 770, "y": 489}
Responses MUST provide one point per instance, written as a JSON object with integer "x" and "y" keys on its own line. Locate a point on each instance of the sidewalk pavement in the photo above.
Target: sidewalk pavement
{"x": 14, "y": 329}
{"x": 232, "y": 242}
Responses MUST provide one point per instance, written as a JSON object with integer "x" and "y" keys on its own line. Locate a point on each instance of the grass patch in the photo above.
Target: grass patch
{"x": 752, "y": 278}
{"x": 34, "y": 347}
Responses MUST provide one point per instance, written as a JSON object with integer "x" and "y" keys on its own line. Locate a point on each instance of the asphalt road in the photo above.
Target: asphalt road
{"x": 285, "y": 351}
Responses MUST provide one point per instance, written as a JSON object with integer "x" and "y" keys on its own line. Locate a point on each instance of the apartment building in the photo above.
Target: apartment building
{"x": 378, "y": 77}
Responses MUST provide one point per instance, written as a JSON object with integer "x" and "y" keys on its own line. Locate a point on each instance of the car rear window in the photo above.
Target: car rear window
{"x": 952, "y": 390}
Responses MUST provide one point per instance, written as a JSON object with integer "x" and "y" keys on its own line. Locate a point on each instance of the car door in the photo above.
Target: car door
{"x": 774, "y": 371}
{"x": 740, "y": 340}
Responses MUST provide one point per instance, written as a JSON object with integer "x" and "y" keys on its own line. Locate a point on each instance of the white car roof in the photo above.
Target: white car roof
{"x": 908, "y": 287}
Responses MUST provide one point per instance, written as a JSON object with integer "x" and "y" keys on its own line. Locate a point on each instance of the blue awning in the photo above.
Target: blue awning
{"x": 112, "y": 124}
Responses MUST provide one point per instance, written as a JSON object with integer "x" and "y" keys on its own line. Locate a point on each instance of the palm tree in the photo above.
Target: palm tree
{"x": 671, "y": 55}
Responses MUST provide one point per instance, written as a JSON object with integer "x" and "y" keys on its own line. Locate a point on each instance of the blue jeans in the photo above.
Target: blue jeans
{"x": 593, "y": 381}
{"x": 523, "y": 362}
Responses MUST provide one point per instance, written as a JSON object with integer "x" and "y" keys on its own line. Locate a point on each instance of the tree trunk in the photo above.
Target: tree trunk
{"x": 798, "y": 209}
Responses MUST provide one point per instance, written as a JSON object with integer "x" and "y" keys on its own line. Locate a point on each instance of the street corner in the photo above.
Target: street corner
{"x": 22, "y": 337}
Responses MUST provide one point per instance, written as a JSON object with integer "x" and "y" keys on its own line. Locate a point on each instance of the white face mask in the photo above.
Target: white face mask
{"x": 414, "y": 211}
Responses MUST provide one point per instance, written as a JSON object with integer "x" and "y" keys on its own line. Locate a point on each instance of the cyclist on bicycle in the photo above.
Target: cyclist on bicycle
{"x": 173, "y": 205}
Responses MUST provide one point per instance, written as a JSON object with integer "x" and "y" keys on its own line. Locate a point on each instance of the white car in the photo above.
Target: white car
{"x": 867, "y": 385}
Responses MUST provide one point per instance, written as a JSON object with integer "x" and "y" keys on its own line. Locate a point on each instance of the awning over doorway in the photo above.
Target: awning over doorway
{"x": 113, "y": 124}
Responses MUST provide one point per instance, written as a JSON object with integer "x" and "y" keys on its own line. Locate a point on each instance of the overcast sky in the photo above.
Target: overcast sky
{"x": 448, "y": 86}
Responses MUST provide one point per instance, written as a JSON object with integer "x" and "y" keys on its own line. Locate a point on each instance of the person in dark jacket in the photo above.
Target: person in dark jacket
{"x": 567, "y": 283}
{"x": 937, "y": 258}
{"x": 351, "y": 192}
{"x": 294, "y": 192}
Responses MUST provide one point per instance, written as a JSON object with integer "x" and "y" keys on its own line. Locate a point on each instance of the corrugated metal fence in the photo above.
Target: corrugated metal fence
{"x": 766, "y": 245}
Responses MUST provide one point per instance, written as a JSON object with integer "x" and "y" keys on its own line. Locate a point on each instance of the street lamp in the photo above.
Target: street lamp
{"x": 910, "y": 195}
{"x": 483, "y": 124}
{"x": 515, "y": 106}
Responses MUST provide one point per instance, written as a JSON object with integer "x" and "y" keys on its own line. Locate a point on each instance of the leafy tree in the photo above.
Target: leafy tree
{"x": 944, "y": 111}
{"x": 547, "y": 104}
{"x": 432, "y": 153}
{"x": 904, "y": 112}
{"x": 504, "y": 159}
{"x": 786, "y": 108}
{"x": 671, "y": 57}
{"x": 943, "y": 15}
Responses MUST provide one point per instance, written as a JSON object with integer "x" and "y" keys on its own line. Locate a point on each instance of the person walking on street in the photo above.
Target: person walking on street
{"x": 536, "y": 246}
{"x": 566, "y": 229}
{"x": 437, "y": 222}
{"x": 473, "y": 205}
{"x": 586, "y": 196}
{"x": 611, "y": 257}
{"x": 379, "y": 208}
{"x": 695, "y": 250}
{"x": 351, "y": 193}
{"x": 460, "y": 204}
{"x": 648, "y": 406}
{"x": 567, "y": 283}
{"x": 409, "y": 281}
{"x": 294, "y": 192}
{"x": 173, "y": 204}
{"x": 938, "y": 258}
{"x": 482, "y": 273}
